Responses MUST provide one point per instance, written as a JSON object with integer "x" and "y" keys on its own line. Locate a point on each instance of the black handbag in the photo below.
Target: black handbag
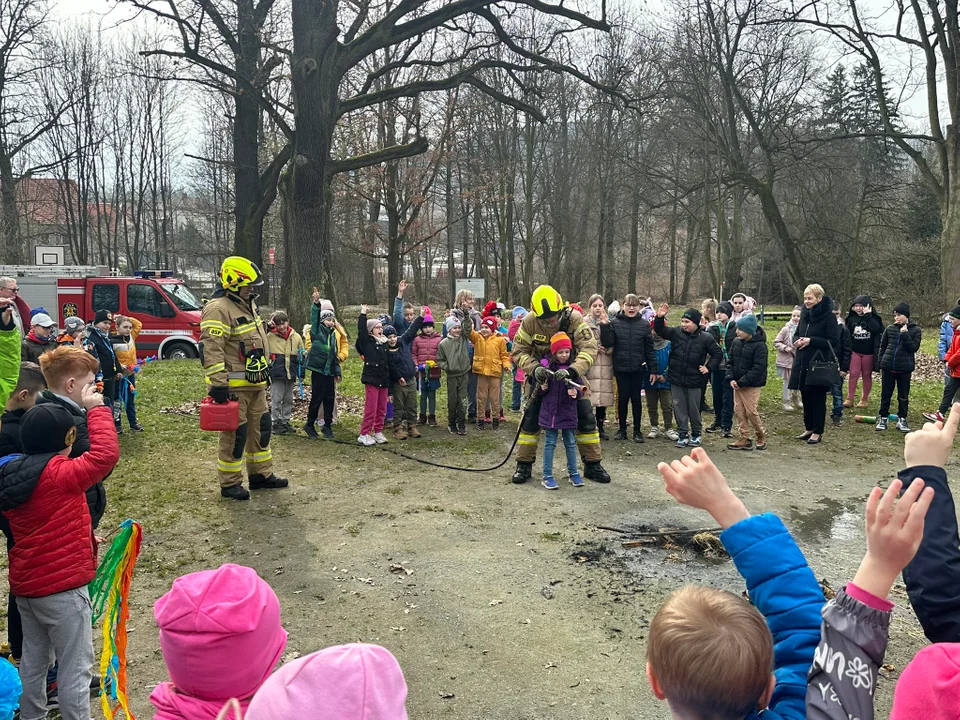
{"x": 823, "y": 373}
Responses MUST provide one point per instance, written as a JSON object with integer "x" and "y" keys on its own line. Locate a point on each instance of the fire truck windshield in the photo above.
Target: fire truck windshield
{"x": 182, "y": 296}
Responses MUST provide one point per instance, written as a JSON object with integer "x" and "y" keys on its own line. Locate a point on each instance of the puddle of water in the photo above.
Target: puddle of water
{"x": 833, "y": 520}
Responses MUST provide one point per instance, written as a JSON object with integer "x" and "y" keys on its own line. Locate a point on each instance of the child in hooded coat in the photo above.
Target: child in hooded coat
{"x": 345, "y": 682}
{"x": 424, "y": 351}
{"x": 221, "y": 637}
{"x": 786, "y": 352}
{"x": 558, "y": 412}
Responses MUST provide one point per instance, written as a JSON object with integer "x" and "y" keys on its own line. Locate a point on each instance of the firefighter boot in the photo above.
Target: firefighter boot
{"x": 235, "y": 492}
{"x": 259, "y": 482}
{"x": 523, "y": 472}
{"x": 594, "y": 471}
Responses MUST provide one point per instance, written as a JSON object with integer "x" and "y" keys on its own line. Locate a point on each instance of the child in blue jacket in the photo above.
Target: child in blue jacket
{"x": 919, "y": 536}
{"x": 659, "y": 397}
{"x": 711, "y": 653}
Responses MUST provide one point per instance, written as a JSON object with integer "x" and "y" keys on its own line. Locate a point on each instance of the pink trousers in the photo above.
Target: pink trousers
{"x": 374, "y": 409}
{"x": 860, "y": 365}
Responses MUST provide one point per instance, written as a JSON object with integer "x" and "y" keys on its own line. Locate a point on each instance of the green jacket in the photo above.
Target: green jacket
{"x": 9, "y": 360}
{"x": 453, "y": 355}
{"x": 322, "y": 357}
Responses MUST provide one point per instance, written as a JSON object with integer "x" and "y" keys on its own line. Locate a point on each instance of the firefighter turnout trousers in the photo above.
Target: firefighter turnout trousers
{"x": 250, "y": 441}
{"x": 588, "y": 437}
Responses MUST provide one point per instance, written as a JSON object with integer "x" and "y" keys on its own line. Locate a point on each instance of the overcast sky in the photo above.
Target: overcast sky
{"x": 914, "y": 108}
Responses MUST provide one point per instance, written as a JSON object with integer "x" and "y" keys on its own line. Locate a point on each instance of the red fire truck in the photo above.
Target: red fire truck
{"x": 168, "y": 309}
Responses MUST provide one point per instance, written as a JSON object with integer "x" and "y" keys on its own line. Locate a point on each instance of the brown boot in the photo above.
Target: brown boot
{"x": 741, "y": 444}
{"x": 761, "y": 442}
{"x": 398, "y": 432}
{"x": 412, "y": 430}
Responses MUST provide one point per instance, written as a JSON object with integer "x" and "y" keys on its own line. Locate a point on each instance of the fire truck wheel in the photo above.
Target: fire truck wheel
{"x": 179, "y": 351}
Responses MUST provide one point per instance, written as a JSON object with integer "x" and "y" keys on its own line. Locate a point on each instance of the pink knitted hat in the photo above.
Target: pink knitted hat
{"x": 929, "y": 686}
{"x": 345, "y": 682}
{"x": 427, "y": 316}
{"x": 220, "y": 632}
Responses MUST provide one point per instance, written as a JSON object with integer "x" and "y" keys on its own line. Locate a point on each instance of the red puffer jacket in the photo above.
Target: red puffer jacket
{"x": 54, "y": 548}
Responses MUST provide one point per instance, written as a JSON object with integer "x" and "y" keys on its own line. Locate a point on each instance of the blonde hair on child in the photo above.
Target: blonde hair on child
{"x": 711, "y": 652}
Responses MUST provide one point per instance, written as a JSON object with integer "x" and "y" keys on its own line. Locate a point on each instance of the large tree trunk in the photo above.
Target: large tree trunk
{"x": 315, "y": 81}
{"x": 248, "y": 229}
{"x": 12, "y": 245}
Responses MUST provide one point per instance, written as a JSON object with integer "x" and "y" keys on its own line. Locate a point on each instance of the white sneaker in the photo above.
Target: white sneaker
{"x": 379, "y": 438}
{"x": 672, "y": 435}
{"x": 365, "y": 440}
{"x": 788, "y": 407}
{"x": 655, "y": 432}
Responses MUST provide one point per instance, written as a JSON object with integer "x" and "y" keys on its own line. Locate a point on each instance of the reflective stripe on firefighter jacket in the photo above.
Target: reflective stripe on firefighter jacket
{"x": 231, "y": 331}
{"x": 532, "y": 342}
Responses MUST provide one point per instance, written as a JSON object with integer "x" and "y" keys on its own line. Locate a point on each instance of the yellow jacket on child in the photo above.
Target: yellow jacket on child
{"x": 343, "y": 344}
{"x": 490, "y": 356}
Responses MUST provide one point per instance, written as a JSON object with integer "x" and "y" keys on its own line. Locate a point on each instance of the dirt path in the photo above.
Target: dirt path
{"x": 499, "y": 601}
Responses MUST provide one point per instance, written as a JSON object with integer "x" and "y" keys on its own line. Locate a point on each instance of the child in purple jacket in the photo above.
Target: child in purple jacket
{"x": 558, "y": 413}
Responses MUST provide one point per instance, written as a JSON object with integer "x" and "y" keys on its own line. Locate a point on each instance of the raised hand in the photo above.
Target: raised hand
{"x": 7, "y": 308}
{"x": 695, "y": 481}
{"x": 663, "y": 310}
{"x": 893, "y": 534}
{"x": 401, "y": 288}
{"x": 931, "y": 444}
{"x": 363, "y": 309}
{"x": 316, "y": 296}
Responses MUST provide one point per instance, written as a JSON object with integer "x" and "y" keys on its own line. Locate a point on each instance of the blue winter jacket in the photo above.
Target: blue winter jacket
{"x": 946, "y": 337}
{"x": 785, "y": 591}
{"x": 399, "y": 323}
{"x": 663, "y": 362}
{"x": 401, "y": 359}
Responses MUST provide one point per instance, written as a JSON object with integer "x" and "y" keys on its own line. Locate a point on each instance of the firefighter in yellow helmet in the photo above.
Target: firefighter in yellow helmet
{"x": 548, "y": 316}
{"x": 233, "y": 352}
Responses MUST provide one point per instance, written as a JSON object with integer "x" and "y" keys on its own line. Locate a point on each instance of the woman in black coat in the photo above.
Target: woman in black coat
{"x": 817, "y": 338}
{"x": 633, "y": 360}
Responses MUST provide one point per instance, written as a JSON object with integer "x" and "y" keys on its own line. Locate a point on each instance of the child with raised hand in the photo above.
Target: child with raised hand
{"x": 323, "y": 361}
{"x": 693, "y": 354}
{"x": 221, "y": 637}
{"x": 558, "y": 413}
{"x": 856, "y": 622}
{"x": 403, "y": 312}
{"x": 54, "y": 557}
{"x": 403, "y": 379}
{"x": 710, "y": 654}
{"x": 918, "y": 536}
{"x": 344, "y": 682}
{"x": 372, "y": 345}
{"x": 453, "y": 357}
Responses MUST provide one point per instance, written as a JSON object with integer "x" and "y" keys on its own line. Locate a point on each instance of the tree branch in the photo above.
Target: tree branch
{"x": 394, "y": 152}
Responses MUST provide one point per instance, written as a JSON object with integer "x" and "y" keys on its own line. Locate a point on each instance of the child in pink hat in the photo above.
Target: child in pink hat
{"x": 221, "y": 637}
{"x": 345, "y": 682}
